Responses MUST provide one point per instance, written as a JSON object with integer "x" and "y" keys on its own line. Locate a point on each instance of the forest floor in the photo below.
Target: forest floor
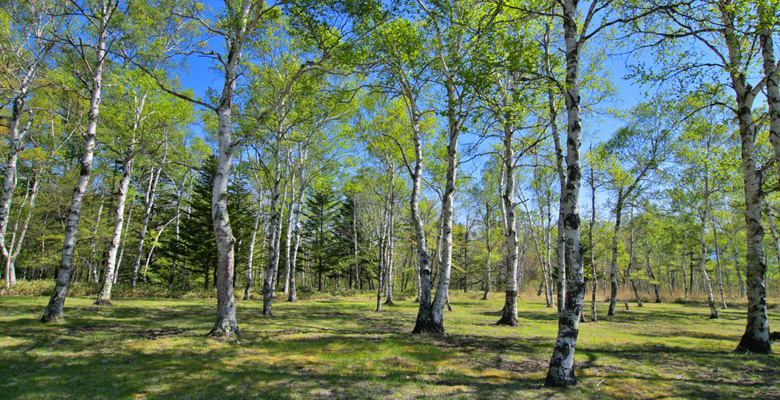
{"x": 335, "y": 349}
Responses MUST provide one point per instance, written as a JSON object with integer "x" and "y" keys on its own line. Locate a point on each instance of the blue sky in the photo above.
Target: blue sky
{"x": 596, "y": 128}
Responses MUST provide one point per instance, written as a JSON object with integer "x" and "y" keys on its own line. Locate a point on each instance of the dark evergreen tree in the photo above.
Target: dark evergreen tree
{"x": 197, "y": 226}
{"x": 321, "y": 211}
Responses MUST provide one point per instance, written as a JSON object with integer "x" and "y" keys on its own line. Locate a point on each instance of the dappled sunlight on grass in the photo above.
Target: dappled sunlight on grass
{"x": 330, "y": 349}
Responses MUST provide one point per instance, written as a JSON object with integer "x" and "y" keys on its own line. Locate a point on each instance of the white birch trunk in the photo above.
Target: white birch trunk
{"x": 509, "y": 312}
{"x": 16, "y": 139}
{"x": 123, "y": 242}
{"x": 425, "y": 312}
{"x": 17, "y": 239}
{"x": 704, "y": 255}
{"x": 176, "y": 236}
{"x": 154, "y": 177}
{"x": 252, "y": 241}
{"x": 93, "y": 274}
{"x": 756, "y": 336}
{"x": 293, "y": 296}
{"x": 54, "y": 311}
{"x": 104, "y": 297}
{"x": 561, "y": 370}
{"x": 720, "y": 272}
{"x": 274, "y": 230}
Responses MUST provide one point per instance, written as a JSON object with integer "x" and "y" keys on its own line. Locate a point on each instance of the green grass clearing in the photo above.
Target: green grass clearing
{"x": 143, "y": 348}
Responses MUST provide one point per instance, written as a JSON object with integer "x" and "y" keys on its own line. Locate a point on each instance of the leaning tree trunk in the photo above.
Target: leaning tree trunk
{"x": 54, "y": 311}
{"x": 561, "y": 370}
{"x": 104, "y": 297}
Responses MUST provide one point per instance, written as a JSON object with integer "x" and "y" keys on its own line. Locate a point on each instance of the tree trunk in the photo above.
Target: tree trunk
{"x": 123, "y": 242}
{"x": 279, "y": 235}
{"x": 54, "y": 311}
{"x": 297, "y": 210}
{"x": 591, "y": 249}
{"x": 275, "y": 229}
{"x": 288, "y": 239}
{"x": 631, "y": 259}
{"x": 509, "y": 312}
{"x": 391, "y": 242}
{"x": 226, "y": 323}
{"x": 656, "y": 286}
{"x": 561, "y": 370}
{"x": 252, "y": 241}
{"x": 176, "y": 237}
{"x": 104, "y": 297}
{"x": 17, "y": 239}
{"x": 425, "y": 312}
{"x": 154, "y": 177}
{"x": 16, "y": 137}
{"x": 704, "y": 256}
{"x": 489, "y": 249}
{"x": 756, "y": 336}
{"x": 93, "y": 270}
{"x": 430, "y": 318}
{"x": 720, "y": 272}
{"x": 613, "y": 272}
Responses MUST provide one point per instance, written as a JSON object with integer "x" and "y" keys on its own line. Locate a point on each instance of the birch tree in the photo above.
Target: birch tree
{"x": 25, "y": 49}
{"x": 724, "y": 31}
{"x": 96, "y": 23}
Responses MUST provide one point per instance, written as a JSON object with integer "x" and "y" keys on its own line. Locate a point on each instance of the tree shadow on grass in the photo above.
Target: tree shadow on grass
{"x": 342, "y": 350}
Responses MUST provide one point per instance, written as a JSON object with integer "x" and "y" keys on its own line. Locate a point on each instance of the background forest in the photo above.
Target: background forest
{"x": 621, "y": 151}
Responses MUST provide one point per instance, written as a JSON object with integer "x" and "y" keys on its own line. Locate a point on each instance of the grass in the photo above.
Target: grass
{"x": 328, "y": 349}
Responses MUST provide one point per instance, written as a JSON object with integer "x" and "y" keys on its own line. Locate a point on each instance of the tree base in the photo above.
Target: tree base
{"x": 430, "y": 328}
{"x": 50, "y": 319}
{"x": 224, "y": 329}
{"x": 292, "y": 299}
{"x": 509, "y": 312}
{"x": 507, "y": 320}
{"x": 748, "y": 344}
{"x": 417, "y": 300}
{"x": 560, "y": 379}
{"x": 389, "y": 303}
{"x": 103, "y": 302}
{"x": 714, "y": 316}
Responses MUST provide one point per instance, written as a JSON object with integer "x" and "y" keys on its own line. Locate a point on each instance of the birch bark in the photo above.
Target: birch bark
{"x": 54, "y": 311}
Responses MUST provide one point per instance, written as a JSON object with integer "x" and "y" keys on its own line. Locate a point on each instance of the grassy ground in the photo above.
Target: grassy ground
{"x": 343, "y": 349}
